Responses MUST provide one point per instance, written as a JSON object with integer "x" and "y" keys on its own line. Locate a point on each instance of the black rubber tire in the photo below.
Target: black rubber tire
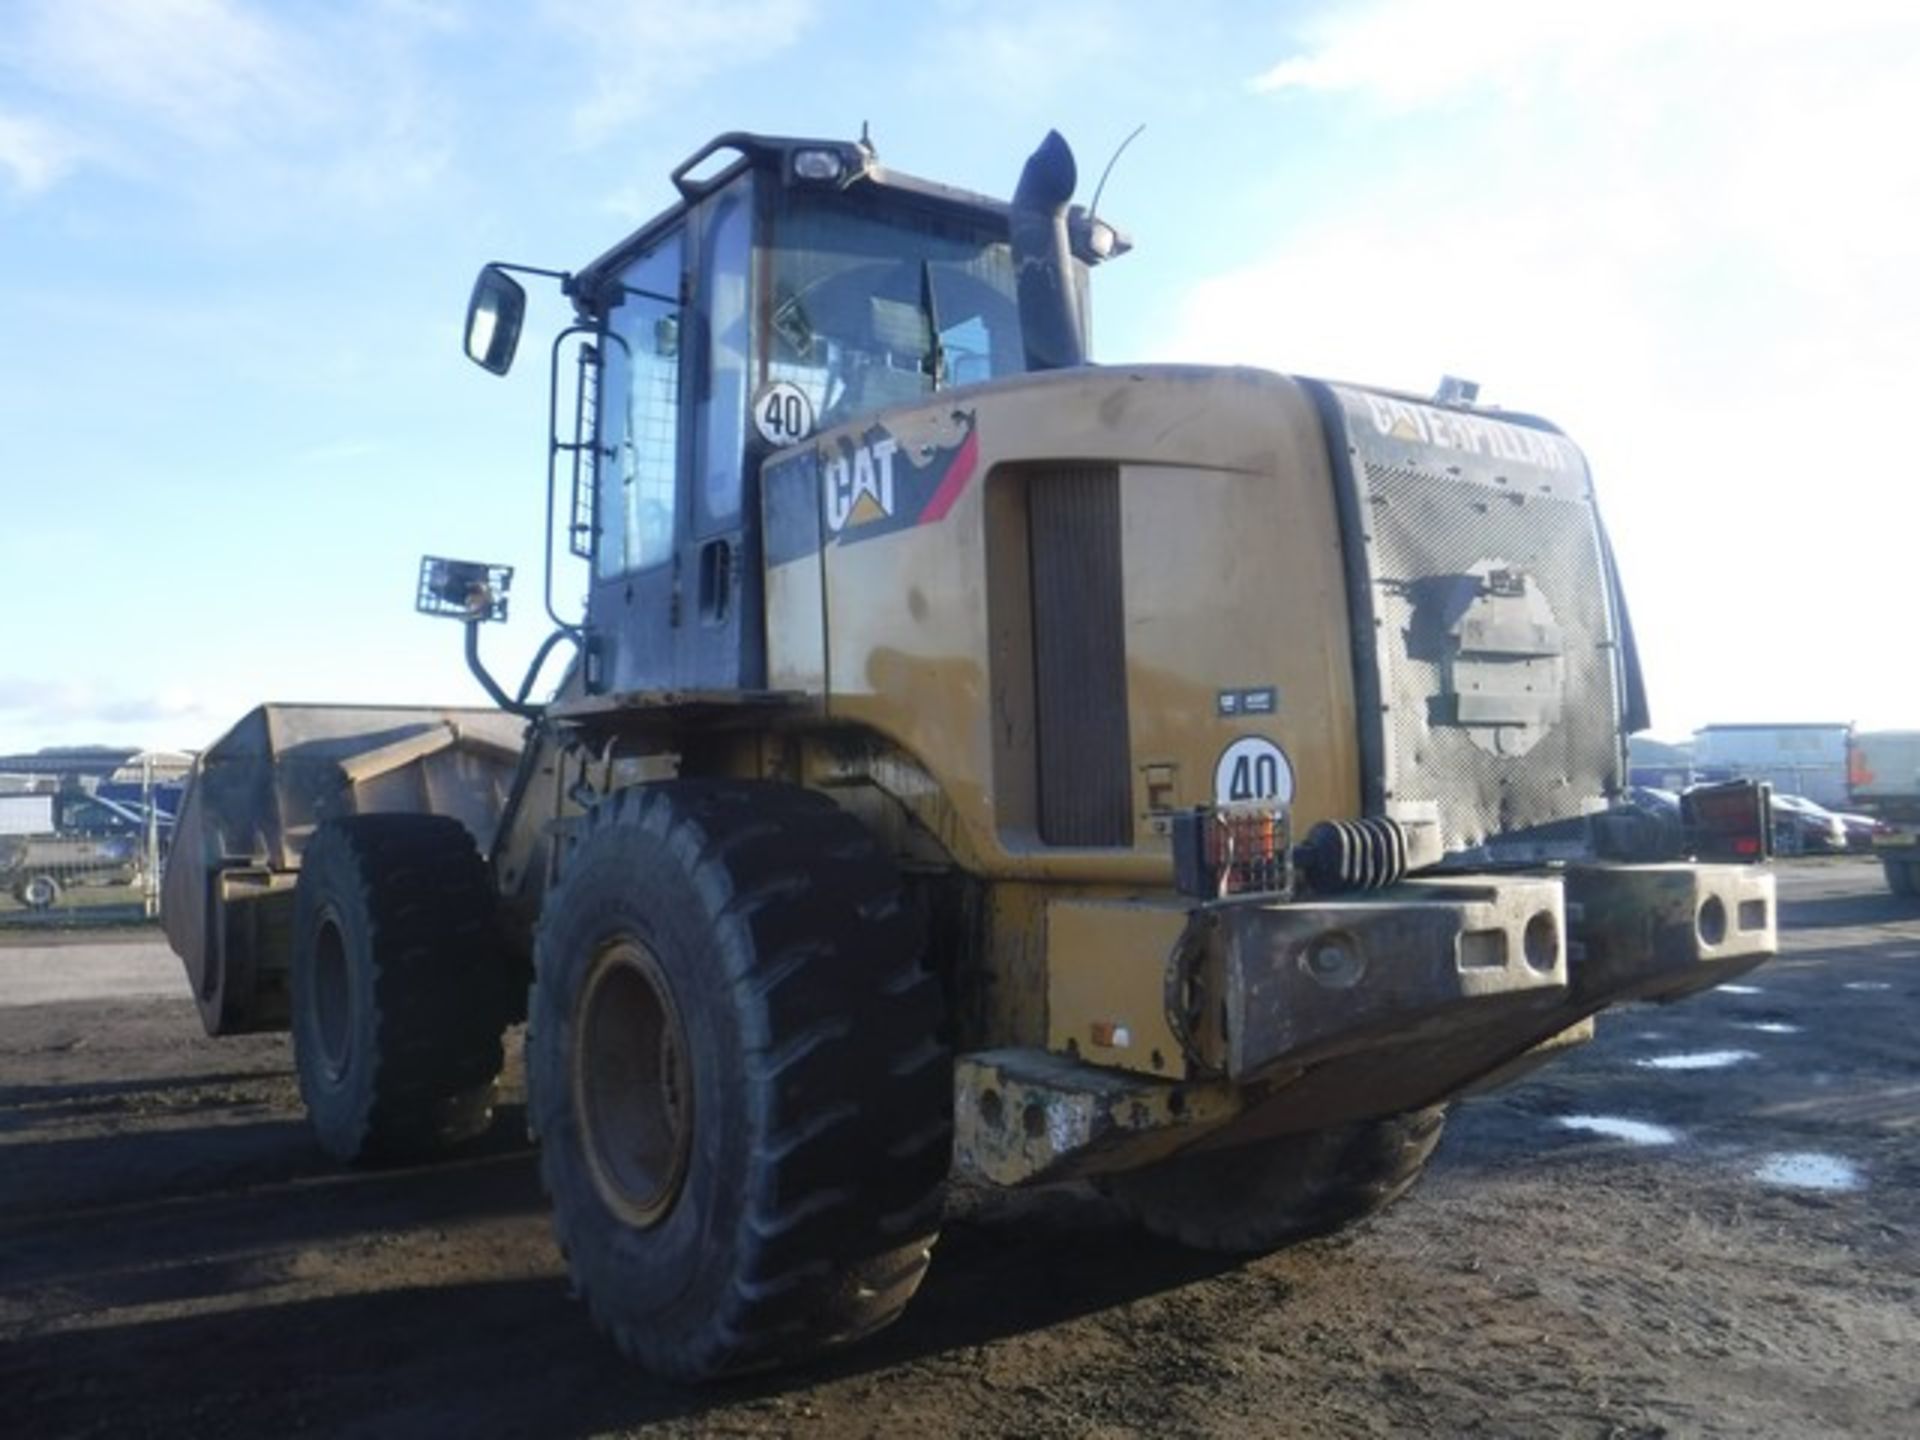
{"x": 38, "y": 892}
{"x": 1253, "y": 1198}
{"x": 1903, "y": 877}
{"x": 398, "y": 987}
{"x": 820, "y": 1090}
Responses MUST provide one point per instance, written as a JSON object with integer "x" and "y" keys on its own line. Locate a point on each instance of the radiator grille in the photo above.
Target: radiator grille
{"x": 1079, "y": 654}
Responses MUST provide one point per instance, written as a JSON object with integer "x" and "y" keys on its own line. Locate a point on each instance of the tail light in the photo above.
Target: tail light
{"x": 1733, "y": 821}
{"x": 1220, "y": 852}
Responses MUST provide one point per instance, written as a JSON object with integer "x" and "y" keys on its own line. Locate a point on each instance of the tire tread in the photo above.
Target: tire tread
{"x": 427, "y": 904}
{"x": 825, "y": 959}
{"x": 1257, "y": 1197}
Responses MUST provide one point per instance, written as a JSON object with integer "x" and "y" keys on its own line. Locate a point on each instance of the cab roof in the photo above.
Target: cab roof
{"x": 859, "y": 168}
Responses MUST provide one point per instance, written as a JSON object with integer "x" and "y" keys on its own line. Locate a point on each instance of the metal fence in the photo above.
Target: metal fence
{"x": 84, "y": 844}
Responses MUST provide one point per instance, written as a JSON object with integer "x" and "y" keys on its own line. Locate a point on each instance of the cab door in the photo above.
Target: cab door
{"x": 676, "y": 602}
{"x": 640, "y": 495}
{"x": 721, "y": 640}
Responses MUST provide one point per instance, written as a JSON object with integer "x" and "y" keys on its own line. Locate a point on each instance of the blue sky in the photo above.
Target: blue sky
{"x": 236, "y": 241}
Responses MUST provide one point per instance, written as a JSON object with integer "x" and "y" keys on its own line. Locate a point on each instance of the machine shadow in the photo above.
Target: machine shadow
{"x": 112, "y": 1217}
{"x": 520, "y": 1356}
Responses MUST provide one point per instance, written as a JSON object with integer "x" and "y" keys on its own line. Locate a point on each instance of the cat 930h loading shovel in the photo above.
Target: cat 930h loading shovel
{"x": 971, "y": 760}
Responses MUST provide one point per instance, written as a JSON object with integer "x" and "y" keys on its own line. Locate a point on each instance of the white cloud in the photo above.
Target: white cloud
{"x": 1686, "y": 233}
{"x": 329, "y": 106}
{"x": 33, "y": 154}
{"x": 203, "y": 68}
{"x": 36, "y": 713}
{"x": 1411, "y": 53}
{"x": 643, "y": 53}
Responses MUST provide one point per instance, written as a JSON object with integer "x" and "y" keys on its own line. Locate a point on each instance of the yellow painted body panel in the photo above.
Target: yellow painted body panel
{"x": 1107, "y": 983}
{"x": 1232, "y": 580}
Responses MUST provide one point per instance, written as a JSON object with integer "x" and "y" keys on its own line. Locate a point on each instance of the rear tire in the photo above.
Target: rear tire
{"x": 38, "y": 892}
{"x": 1257, "y": 1197}
{"x": 733, "y": 1066}
{"x": 1903, "y": 877}
{"x": 398, "y": 987}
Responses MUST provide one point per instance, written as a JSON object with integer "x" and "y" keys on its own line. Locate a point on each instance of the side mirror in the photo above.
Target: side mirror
{"x": 463, "y": 589}
{"x": 494, "y": 315}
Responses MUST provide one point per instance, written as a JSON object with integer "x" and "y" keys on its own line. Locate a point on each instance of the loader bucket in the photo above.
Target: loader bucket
{"x": 256, "y": 796}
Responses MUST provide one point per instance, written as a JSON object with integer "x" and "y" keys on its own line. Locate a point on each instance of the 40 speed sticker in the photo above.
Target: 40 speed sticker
{"x": 1252, "y": 770}
{"x": 783, "y": 414}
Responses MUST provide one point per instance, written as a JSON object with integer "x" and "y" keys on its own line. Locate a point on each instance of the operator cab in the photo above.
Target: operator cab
{"x": 796, "y": 286}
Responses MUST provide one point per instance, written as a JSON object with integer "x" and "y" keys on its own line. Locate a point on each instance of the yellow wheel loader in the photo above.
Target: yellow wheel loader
{"x": 970, "y": 760}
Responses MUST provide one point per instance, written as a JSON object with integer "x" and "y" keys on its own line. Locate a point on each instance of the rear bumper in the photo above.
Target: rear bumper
{"x": 1503, "y": 958}
{"x": 1285, "y": 987}
{"x": 1659, "y": 932}
{"x": 1301, "y": 1015}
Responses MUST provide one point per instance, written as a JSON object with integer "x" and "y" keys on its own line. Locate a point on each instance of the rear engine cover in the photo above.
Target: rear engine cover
{"x": 1487, "y": 637}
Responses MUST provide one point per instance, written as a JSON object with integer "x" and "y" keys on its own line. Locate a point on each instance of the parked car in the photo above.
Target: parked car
{"x": 1800, "y": 827}
{"x": 38, "y": 869}
{"x": 1654, "y": 801}
{"x": 1859, "y": 829}
{"x": 52, "y": 843}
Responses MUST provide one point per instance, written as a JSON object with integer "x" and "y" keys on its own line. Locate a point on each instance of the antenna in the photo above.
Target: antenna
{"x": 1094, "y": 208}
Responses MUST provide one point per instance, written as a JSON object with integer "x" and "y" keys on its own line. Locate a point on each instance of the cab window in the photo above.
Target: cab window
{"x": 721, "y": 421}
{"x": 636, "y": 492}
{"x": 880, "y": 307}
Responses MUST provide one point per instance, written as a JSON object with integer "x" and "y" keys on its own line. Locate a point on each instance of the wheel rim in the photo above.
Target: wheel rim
{"x": 40, "y": 892}
{"x": 332, "y": 998}
{"x": 632, "y": 1086}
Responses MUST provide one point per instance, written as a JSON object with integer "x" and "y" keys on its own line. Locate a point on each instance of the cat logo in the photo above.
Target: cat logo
{"x": 1475, "y": 434}
{"x": 859, "y": 485}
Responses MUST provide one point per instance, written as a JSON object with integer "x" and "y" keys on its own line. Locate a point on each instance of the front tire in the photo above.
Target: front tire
{"x": 1252, "y": 1198}
{"x": 398, "y": 987}
{"x": 38, "y": 892}
{"x": 733, "y": 1066}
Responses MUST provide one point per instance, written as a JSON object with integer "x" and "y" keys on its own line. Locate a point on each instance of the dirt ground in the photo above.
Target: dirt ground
{"x": 1743, "y": 1258}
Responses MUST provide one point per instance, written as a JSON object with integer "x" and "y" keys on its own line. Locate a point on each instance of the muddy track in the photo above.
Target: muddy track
{"x": 176, "y": 1258}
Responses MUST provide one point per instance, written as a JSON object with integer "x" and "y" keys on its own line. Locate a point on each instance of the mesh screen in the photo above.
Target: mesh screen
{"x": 1437, "y": 533}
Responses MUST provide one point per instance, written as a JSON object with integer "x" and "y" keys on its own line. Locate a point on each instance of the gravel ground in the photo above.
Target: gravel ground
{"x": 1703, "y": 1224}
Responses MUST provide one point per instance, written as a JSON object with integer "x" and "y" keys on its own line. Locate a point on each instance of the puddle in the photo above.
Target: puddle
{"x": 1697, "y": 1060}
{"x": 1866, "y": 985}
{"x": 1771, "y": 1027}
{"x": 1634, "y": 1132}
{"x": 1808, "y": 1170}
{"x": 1738, "y": 989}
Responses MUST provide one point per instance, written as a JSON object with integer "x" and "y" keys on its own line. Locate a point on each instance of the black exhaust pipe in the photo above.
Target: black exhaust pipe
{"x": 1051, "y": 328}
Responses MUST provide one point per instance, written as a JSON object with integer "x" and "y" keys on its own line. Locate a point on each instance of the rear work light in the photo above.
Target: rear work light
{"x": 819, "y": 165}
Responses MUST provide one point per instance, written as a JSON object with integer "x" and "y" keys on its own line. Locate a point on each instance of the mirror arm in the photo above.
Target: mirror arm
{"x": 489, "y": 684}
{"x": 565, "y": 277}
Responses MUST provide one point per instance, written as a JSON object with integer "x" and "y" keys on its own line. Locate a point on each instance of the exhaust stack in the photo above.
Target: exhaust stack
{"x": 1051, "y": 326}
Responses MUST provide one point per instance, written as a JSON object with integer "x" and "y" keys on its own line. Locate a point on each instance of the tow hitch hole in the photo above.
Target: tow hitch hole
{"x": 993, "y": 1110}
{"x": 1713, "y": 921}
{"x": 1483, "y": 950}
{"x": 1541, "y": 943}
{"x": 1033, "y": 1119}
{"x": 1753, "y": 914}
{"x": 1335, "y": 960}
